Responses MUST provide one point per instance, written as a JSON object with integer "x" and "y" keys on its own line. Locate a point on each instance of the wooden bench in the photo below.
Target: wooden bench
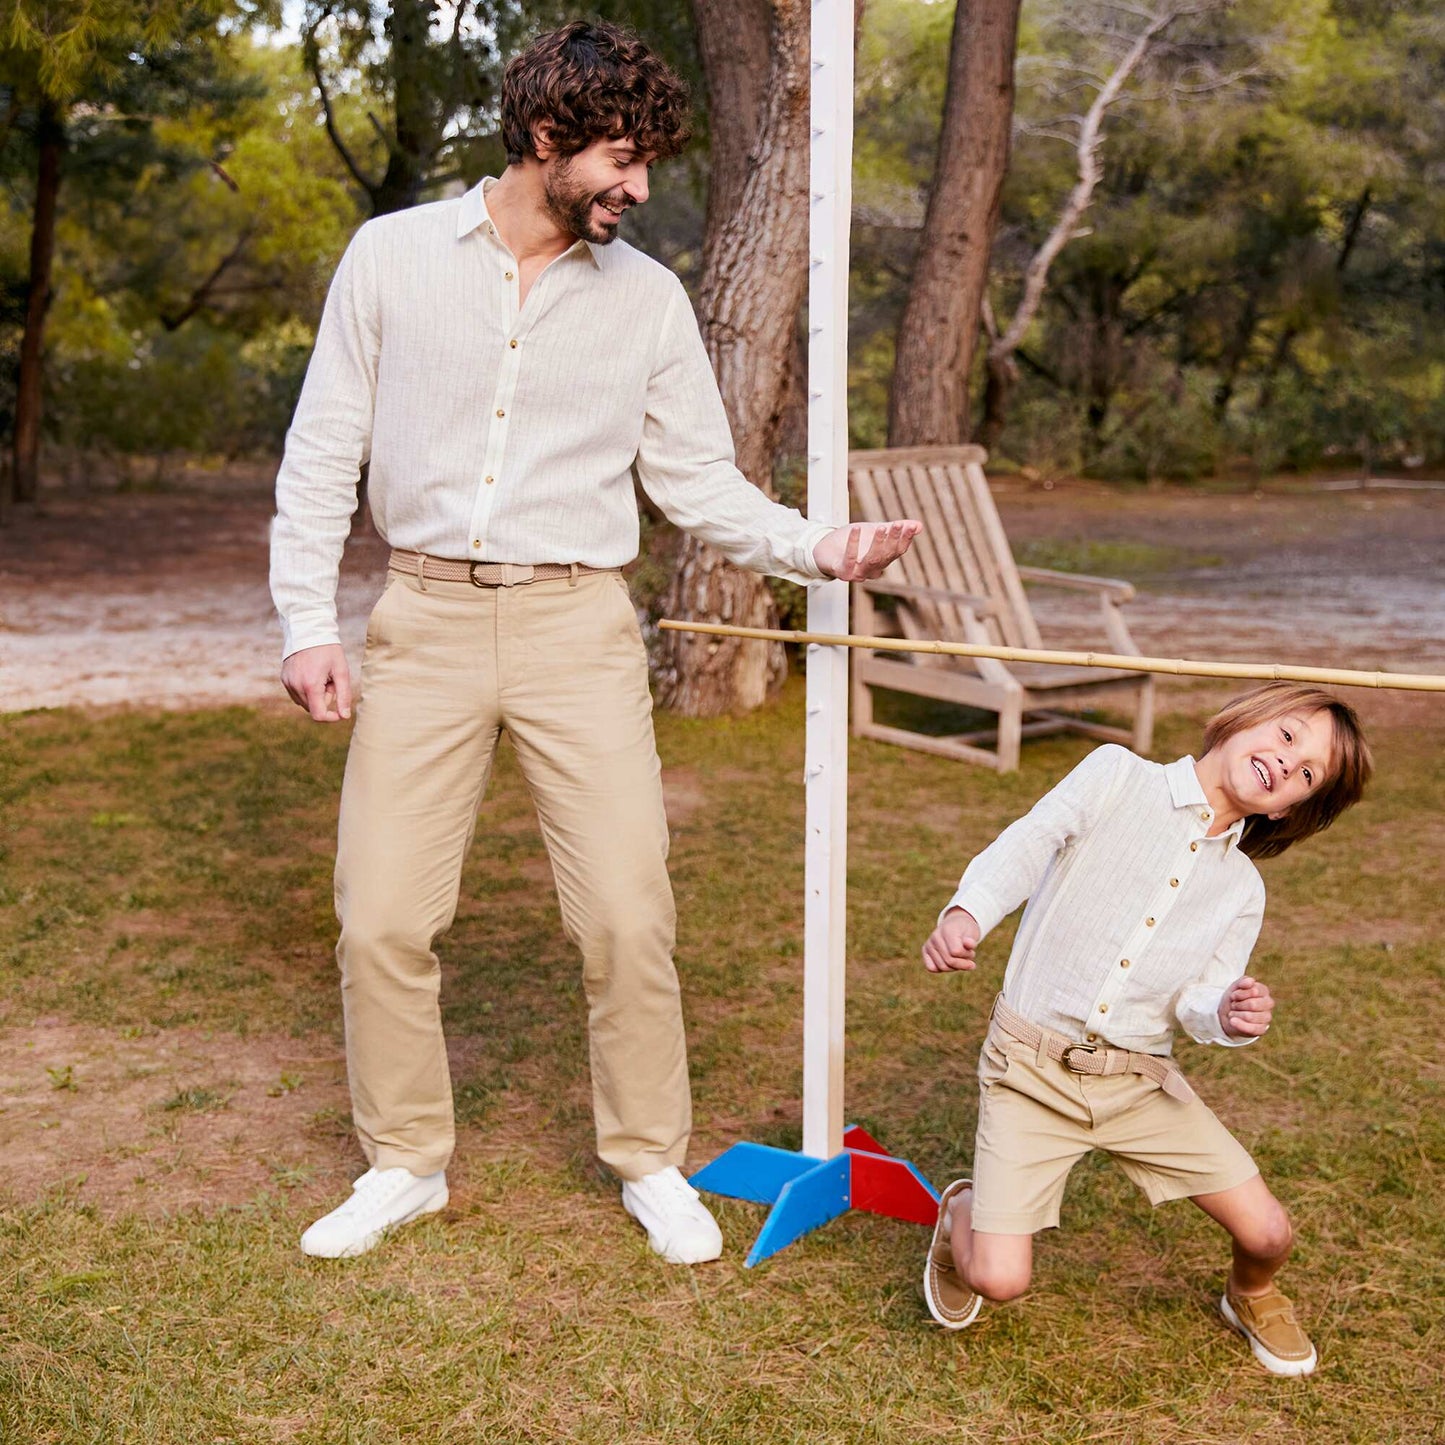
{"x": 959, "y": 583}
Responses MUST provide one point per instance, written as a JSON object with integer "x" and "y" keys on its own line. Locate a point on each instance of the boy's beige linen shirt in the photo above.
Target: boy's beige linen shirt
{"x": 1135, "y": 919}
{"x": 505, "y": 433}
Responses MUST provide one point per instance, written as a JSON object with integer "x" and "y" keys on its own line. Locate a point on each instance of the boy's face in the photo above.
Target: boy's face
{"x": 586, "y": 194}
{"x": 1273, "y": 765}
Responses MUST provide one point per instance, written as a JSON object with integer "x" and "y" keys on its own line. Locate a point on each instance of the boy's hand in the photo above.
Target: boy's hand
{"x": 951, "y": 945}
{"x": 1246, "y": 1008}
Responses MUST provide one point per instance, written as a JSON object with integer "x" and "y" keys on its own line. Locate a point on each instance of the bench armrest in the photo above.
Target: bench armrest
{"x": 1115, "y": 588}
{"x": 981, "y": 606}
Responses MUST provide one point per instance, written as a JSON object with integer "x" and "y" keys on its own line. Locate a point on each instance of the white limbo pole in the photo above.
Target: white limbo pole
{"x": 826, "y": 762}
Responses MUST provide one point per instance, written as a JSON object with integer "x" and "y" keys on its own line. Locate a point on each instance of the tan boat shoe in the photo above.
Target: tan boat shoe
{"x": 1267, "y": 1321}
{"x": 950, "y": 1301}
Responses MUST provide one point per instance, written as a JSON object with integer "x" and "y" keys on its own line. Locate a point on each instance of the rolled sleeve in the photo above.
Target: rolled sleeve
{"x": 1197, "y": 1007}
{"x": 687, "y": 465}
{"x": 328, "y": 443}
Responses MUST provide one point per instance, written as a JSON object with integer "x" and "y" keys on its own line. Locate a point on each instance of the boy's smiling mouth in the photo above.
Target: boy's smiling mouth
{"x": 1265, "y": 776}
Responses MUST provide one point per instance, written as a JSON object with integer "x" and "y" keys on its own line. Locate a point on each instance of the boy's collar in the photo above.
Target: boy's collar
{"x": 1186, "y": 791}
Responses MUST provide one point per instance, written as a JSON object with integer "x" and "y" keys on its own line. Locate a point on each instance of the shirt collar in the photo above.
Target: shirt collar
{"x": 472, "y": 214}
{"x": 1186, "y": 792}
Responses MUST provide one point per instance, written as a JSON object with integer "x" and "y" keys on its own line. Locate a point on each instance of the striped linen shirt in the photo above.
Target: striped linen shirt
{"x": 503, "y": 432}
{"x": 1135, "y": 918}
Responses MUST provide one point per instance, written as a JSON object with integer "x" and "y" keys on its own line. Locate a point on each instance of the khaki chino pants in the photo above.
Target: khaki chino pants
{"x": 560, "y": 665}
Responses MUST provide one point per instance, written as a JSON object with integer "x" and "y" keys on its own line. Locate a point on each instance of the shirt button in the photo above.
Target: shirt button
{"x": 1204, "y": 813}
{"x": 1103, "y": 1008}
{"x": 512, "y": 344}
{"x": 476, "y": 542}
{"x": 489, "y": 480}
{"x": 1123, "y": 963}
{"x": 509, "y": 275}
{"x": 501, "y": 412}
{"x": 1174, "y": 883}
{"x": 1194, "y": 847}
{"x": 1089, "y": 1038}
{"x": 1148, "y": 923}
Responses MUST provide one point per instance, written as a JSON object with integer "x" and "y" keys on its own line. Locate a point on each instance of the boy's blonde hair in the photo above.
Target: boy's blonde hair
{"x": 1350, "y": 767}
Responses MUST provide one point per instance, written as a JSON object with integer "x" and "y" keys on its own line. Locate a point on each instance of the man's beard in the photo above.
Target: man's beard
{"x": 570, "y": 205}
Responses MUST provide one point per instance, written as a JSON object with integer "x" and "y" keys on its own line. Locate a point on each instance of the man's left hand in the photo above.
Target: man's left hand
{"x": 862, "y": 550}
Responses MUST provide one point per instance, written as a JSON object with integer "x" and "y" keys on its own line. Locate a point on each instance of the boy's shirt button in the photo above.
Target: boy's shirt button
{"x": 1194, "y": 847}
{"x": 1174, "y": 883}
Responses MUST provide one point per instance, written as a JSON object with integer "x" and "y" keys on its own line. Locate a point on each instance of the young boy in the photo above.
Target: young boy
{"x": 1143, "y": 906}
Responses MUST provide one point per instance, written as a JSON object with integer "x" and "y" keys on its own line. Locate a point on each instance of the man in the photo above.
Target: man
{"x": 504, "y": 366}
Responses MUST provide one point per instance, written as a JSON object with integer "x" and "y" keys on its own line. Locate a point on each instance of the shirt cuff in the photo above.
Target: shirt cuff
{"x": 1198, "y": 1012}
{"x": 986, "y": 912}
{"x": 805, "y": 562}
{"x": 308, "y": 629}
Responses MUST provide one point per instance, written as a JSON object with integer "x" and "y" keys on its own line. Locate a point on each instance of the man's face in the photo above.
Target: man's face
{"x": 587, "y": 193}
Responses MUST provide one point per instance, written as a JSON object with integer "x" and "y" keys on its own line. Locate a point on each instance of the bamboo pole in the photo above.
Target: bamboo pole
{"x": 1183, "y": 667}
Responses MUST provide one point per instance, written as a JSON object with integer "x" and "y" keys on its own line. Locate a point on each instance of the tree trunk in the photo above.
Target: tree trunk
{"x": 999, "y": 383}
{"x": 410, "y": 150}
{"x": 754, "y": 278}
{"x": 50, "y": 128}
{"x": 936, "y": 339}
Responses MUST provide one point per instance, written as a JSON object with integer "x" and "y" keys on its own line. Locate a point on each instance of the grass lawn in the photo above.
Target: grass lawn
{"x": 172, "y": 1115}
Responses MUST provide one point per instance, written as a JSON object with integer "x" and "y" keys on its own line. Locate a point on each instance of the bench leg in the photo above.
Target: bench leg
{"x": 1010, "y": 733}
{"x": 1143, "y": 718}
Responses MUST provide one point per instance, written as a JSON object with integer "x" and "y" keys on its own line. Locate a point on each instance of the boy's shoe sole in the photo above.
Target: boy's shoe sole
{"x": 949, "y": 1319}
{"x": 1272, "y": 1362}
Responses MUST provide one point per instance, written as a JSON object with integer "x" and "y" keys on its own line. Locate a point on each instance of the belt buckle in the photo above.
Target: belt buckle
{"x": 1083, "y": 1049}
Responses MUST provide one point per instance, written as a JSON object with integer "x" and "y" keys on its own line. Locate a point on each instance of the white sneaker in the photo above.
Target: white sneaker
{"x": 678, "y": 1225}
{"x": 380, "y": 1200}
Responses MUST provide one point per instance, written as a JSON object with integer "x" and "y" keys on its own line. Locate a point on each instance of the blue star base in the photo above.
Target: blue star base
{"x": 806, "y": 1192}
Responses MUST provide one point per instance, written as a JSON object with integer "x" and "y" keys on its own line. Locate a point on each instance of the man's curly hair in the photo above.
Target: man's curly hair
{"x": 591, "y": 81}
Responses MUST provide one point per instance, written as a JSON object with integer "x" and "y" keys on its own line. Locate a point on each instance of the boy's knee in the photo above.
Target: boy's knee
{"x": 1271, "y": 1235}
{"x": 997, "y": 1281}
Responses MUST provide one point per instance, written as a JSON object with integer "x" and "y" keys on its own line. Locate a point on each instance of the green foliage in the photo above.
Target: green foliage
{"x": 1258, "y": 286}
{"x": 1258, "y": 282}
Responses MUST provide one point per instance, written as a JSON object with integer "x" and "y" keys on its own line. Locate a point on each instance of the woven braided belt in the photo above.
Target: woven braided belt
{"x": 1092, "y": 1058}
{"x": 485, "y": 574}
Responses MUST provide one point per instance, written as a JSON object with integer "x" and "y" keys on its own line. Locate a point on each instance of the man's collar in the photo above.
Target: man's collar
{"x": 1186, "y": 791}
{"x": 472, "y": 214}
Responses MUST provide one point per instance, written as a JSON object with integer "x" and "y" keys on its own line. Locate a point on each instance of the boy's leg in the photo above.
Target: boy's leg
{"x": 1262, "y": 1238}
{"x": 997, "y": 1266}
{"x": 1260, "y": 1231}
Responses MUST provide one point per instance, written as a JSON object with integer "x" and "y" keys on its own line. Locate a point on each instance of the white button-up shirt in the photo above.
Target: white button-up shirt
{"x": 1135, "y": 917}
{"x": 504, "y": 432}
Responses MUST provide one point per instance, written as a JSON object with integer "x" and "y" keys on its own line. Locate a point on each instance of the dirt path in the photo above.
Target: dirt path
{"x": 160, "y": 599}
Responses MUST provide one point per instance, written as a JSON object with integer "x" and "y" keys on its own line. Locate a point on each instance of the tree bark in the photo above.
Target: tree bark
{"x": 936, "y": 338}
{"x": 410, "y": 149}
{"x": 29, "y": 399}
{"x": 754, "y": 278}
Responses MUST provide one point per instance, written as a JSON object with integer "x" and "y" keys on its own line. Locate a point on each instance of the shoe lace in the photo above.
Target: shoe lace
{"x": 668, "y": 1186}
{"x": 374, "y": 1187}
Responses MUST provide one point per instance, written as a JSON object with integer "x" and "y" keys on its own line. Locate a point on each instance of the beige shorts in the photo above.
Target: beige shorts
{"x": 1035, "y": 1121}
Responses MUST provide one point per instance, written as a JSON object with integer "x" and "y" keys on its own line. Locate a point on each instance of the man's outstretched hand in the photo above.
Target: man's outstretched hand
{"x": 319, "y": 680}
{"x": 862, "y": 550}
